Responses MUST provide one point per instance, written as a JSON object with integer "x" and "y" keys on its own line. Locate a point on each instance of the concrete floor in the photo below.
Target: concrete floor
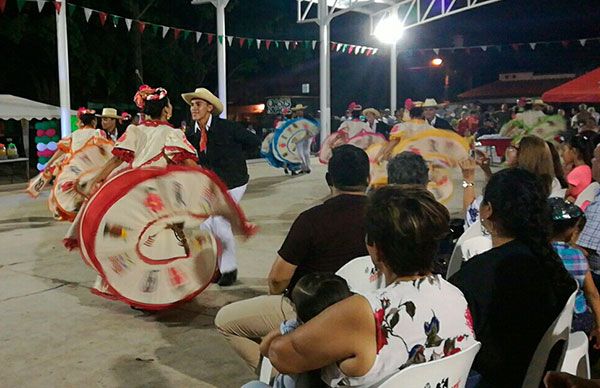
{"x": 55, "y": 333}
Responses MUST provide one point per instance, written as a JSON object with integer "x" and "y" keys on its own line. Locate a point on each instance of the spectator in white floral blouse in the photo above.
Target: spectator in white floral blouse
{"x": 417, "y": 317}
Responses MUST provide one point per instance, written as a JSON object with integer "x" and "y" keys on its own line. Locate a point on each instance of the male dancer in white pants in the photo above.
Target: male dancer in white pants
{"x": 304, "y": 144}
{"x": 221, "y": 146}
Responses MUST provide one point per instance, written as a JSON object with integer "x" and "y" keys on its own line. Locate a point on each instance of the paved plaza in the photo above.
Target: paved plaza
{"x": 55, "y": 333}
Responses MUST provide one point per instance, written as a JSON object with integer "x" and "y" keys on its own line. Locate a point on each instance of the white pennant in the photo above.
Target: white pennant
{"x": 339, "y": 47}
{"x": 230, "y": 40}
{"x": 198, "y": 35}
{"x": 41, "y": 4}
{"x": 436, "y": 51}
{"x": 374, "y": 51}
{"x": 356, "y": 50}
{"x": 582, "y": 41}
{"x": 258, "y": 42}
{"x": 128, "y": 24}
{"x": 88, "y": 13}
{"x": 165, "y": 31}
{"x": 287, "y": 44}
{"x": 314, "y": 44}
{"x": 532, "y": 45}
{"x": 362, "y": 50}
{"x": 484, "y": 48}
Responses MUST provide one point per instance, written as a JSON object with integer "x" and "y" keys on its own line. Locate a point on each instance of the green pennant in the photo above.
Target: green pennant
{"x": 71, "y": 8}
{"x": 250, "y": 41}
{"x": 115, "y": 19}
{"x": 307, "y": 44}
{"x": 220, "y": 37}
{"x": 155, "y": 28}
{"x": 20, "y": 4}
{"x": 277, "y": 44}
{"x": 344, "y": 48}
{"x": 186, "y": 33}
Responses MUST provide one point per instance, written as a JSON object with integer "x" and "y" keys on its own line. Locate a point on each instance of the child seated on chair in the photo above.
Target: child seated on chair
{"x": 567, "y": 221}
{"x": 312, "y": 294}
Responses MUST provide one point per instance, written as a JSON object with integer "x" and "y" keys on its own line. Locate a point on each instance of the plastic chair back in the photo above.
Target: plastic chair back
{"x": 476, "y": 245}
{"x": 577, "y": 360}
{"x": 456, "y": 259}
{"x": 588, "y": 194}
{"x": 361, "y": 275}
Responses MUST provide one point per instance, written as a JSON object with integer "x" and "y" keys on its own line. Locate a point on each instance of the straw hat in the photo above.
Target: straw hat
{"x": 430, "y": 103}
{"x": 374, "y": 111}
{"x": 206, "y": 95}
{"x": 110, "y": 113}
{"x": 539, "y": 102}
{"x": 299, "y": 107}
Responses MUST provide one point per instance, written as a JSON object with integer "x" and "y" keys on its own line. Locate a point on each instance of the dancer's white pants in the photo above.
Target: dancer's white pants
{"x": 221, "y": 228}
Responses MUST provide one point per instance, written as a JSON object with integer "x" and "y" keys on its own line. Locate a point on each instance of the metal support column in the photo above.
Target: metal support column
{"x": 221, "y": 54}
{"x": 63, "y": 69}
{"x": 324, "y": 70}
{"x": 393, "y": 77}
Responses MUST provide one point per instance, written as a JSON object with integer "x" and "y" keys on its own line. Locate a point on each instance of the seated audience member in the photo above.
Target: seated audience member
{"x": 321, "y": 239}
{"x": 408, "y": 168}
{"x": 578, "y": 153}
{"x": 560, "y": 182}
{"x": 518, "y": 288}
{"x": 418, "y": 317}
{"x": 489, "y": 127}
{"x": 567, "y": 219}
{"x": 311, "y": 295}
{"x": 589, "y": 239}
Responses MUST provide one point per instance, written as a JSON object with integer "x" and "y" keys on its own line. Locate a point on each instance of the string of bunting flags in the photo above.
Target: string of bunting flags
{"x": 177, "y": 33}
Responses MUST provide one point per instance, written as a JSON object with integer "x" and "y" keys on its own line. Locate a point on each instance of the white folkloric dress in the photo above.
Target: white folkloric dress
{"x": 140, "y": 230}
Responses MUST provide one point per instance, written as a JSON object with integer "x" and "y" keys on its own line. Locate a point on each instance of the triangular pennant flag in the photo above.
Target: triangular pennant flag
{"x": 338, "y": 47}
{"x": 102, "y": 16}
{"x": 141, "y": 26}
{"x": 20, "y": 4}
{"x": 565, "y": 43}
{"x": 276, "y": 44}
{"x": 515, "y": 46}
{"x": 57, "y": 6}
{"x": 333, "y": 45}
{"x": 128, "y": 24}
{"x": 198, "y": 36}
{"x": 287, "y": 44}
{"x": 314, "y": 44}
{"x": 2, "y": 5}
{"x": 242, "y": 41}
{"x": 155, "y": 28}
{"x": 436, "y": 51}
{"x": 165, "y": 31}
{"x": 186, "y": 34}
{"x": 362, "y": 50}
{"x": 258, "y": 42}
{"x": 71, "y": 8}
{"x": 268, "y": 43}
{"x": 176, "y": 33}
{"x": 532, "y": 45}
{"x": 484, "y": 48}
{"x": 220, "y": 38}
{"x": 250, "y": 41}
{"x": 230, "y": 40}
{"x": 582, "y": 42}
{"x": 357, "y": 50}
{"x": 375, "y": 51}
{"x": 344, "y": 47}
{"x": 87, "y": 12}
{"x": 41, "y": 4}
{"x": 369, "y": 52}
{"x": 210, "y": 38}
{"x": 306, "y": 44}
{"x": 115, "y": 20}
{"x": 351, "y": 50}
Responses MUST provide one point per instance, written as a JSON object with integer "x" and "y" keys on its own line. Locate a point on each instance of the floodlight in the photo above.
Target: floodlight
{"x": 437, "y": 62}
{"x": 389, "y": 29}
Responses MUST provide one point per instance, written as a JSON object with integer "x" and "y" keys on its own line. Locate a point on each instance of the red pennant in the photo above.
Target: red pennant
{"x": 176, "y": 33}
{"x": 242, "y": 41}
{"x": 2, "y": 5}
{"x": 57, "y": 6}
{"x": 295, "y": 45}
{"x": 351, "y": 49}
{"x": 515, "y": 46}
{"x": 369, "y": 52}
{"x": 210, "y": 38}
{"x": 268, "y": 44}
{"x": 333, "y": 45}
{"x": 103, "y": 16}
{"x": 141, "y": 26}
{"x": 565, "y": 43}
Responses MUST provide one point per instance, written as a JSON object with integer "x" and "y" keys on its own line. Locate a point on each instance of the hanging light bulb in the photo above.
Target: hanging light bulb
{"x": 389, "y": 29}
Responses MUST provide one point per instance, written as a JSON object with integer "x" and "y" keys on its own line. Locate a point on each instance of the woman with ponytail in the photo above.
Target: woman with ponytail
{"x": 517, "y": 289}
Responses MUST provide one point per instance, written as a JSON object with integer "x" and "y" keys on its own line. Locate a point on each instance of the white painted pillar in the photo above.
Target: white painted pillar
{"x": 221, "y": 53}
{"x": 324, "y": 70}
{"x": 62, "y": 44}
{"x": 393, "y": 77}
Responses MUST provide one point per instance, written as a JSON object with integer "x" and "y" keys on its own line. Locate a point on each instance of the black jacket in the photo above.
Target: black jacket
{"x": 225, "y": 150}
{"x": 441, "y": 123}
{"x": 383, "y": 129}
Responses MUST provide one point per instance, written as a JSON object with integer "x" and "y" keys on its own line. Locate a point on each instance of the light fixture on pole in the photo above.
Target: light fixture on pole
{"x": 437, "y": 62}
{"x": 389, "y": 30}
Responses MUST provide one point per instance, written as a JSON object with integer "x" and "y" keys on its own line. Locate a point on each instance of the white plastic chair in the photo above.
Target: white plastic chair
{"x": 557, "y": 332}
{"x": 361, "y": 275}
{"x": 451, "y": 371}
{"x": 456, "y": 259}
{"x": 474, "y": 246}
{"x": 588, "y": 194}
{"x": 577, "y": 360}
{"x": 266, "y": 368}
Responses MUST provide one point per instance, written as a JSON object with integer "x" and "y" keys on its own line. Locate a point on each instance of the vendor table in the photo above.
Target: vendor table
{"x": 9, "y": 163}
